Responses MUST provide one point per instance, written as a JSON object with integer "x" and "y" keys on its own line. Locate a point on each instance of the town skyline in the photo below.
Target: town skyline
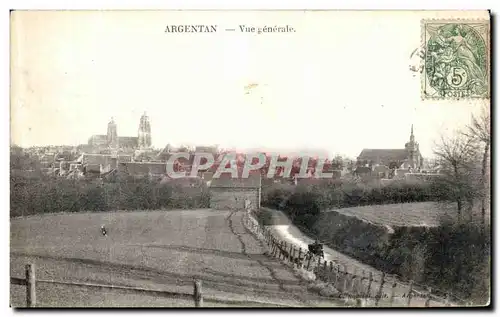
{"x": 290, "y": 151}
{"x": 70, "y": 76}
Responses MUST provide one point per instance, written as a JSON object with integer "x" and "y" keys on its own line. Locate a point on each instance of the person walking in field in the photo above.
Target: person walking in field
{"x": 104, "y": 231}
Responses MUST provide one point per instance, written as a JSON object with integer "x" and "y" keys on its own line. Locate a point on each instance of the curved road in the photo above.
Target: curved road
{"x": 159, "y": 250}
{"x": 286, "y": 231}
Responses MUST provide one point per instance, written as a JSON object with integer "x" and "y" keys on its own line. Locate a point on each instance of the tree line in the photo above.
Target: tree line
{"x": 44, "y": 194}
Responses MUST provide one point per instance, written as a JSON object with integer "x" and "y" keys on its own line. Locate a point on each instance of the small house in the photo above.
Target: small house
{"x": 235, "y": 193}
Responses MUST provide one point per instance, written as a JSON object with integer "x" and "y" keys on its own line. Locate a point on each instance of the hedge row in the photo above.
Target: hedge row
{"x": 340, "y": 195}
{"x": 39, "y": 196}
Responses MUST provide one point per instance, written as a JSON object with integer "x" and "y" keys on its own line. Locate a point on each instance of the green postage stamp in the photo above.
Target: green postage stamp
{"x": 457, "y": 59}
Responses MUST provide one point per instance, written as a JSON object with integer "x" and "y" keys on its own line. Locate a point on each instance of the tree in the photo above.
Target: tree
{"x": 337, "y": 163}
{"x": 22, "y": 160}
{"x": 457, "y": 154}
{"x": 480, "y": 131}
{"x": 184, "y": 148}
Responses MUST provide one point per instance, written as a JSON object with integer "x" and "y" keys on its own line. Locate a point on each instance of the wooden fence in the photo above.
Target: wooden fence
{"x": 197, "y": 296}
{"x": 382, "y": 289}
{"x": 30, "y": 282}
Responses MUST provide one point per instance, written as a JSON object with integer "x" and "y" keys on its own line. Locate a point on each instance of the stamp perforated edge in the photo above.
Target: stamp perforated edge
{"x": 423, "y": 74}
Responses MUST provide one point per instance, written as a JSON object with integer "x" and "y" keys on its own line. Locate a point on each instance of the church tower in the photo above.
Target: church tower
{"x": 112, "y": 136}
{"x": 413, "y": 153}
{"x": 144, "y": 134}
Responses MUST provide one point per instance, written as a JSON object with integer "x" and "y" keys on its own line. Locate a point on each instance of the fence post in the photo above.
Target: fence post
{"x": 447, "y": 300}
{"x": 393, "y": 290}
{"x": 354, "y": 285}
{"x": 30, "y": 285}
{"x": 368, "y": 294}
{"x": 380, "y": 290}
{"x": 330, "y": 275}
{"x": 309, "y": 262}
{"x": 317, "y": 268}
{"x": 346, "y": 278}
{"x": 359, "y": 303}
{"x": 410, "y": 290}
{"x": 283, "y": 251}
{"x": 290, "y": 257}
{"x": 316, "y": 272}
{"x": 428, "y": 300}
{"x": 362, "y": 283}
{"x": 337, "y": 276}
{"x": 198, "y": 298}
{"x": 299, "y": 263}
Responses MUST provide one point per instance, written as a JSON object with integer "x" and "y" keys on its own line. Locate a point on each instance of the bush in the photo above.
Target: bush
{"x": 47, "y": 195}
{"x": 339, "y": 195}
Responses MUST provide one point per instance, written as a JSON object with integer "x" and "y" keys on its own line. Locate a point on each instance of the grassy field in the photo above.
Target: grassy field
{"x": 408, "y": 215}
{"x": 153, "y": 250}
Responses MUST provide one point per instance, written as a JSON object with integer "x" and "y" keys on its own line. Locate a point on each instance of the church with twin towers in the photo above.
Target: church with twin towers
{"x": 112, "y": 141}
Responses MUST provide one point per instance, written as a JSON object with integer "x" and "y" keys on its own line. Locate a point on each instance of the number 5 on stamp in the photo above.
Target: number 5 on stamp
{"x": 457, "y": 59}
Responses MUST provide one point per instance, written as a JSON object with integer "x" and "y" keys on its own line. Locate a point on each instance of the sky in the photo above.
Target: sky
{"x": 341, "y": 82}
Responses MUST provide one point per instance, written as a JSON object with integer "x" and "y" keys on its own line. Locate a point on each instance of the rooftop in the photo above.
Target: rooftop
{"x": 226, "y": 181}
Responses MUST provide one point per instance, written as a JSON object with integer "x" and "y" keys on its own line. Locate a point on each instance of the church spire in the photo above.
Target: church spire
{"x": 412, "y": 137}
{"x": 144, "y": 136}
{"x": 112, "y": 135}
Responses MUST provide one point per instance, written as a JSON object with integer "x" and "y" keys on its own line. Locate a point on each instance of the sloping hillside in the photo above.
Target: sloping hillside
{"x": 159, "y": 250}
{"x": 421, "y": 214}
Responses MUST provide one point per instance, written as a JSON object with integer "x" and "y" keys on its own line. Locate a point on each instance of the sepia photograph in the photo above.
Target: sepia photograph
{"x": 249, "y": 159}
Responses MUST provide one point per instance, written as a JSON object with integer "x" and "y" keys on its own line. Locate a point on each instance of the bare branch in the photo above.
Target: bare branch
{"x": 480, "y": 127}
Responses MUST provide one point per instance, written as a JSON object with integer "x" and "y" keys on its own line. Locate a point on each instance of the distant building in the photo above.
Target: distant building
{"x": 232, "y": 193}
{"x": 393, "y": 158}
{"x": 143, "y": 169}
{"x": 144, "y": 134}
{"x": 91, "y": 163}
{"x": 381, "y": 171}
{"x": 362, "y": 171}
{"x": 422, "y": 176}
{"x": 111, "y": 141}
{"x": 207, "y": 149}
{"x": 92, "y": 170}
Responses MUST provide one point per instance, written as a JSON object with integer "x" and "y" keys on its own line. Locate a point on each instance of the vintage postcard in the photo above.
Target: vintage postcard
{"x": 250, "y": 159}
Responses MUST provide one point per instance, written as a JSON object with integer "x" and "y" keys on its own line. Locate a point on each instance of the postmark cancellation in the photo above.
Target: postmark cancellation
{"x": 456, "y": 59}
